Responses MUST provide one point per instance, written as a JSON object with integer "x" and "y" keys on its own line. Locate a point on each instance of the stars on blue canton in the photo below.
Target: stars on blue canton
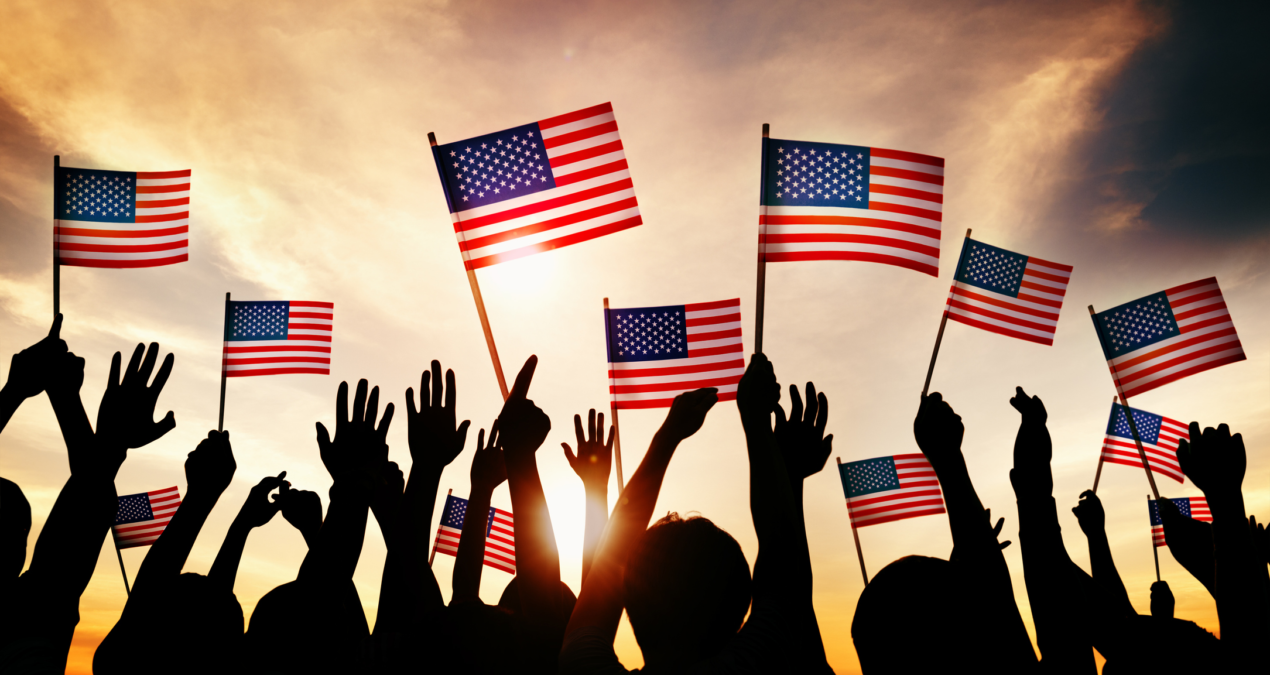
{"x": 493, "y": 168}
{"x": 870, "y": 475}
{"x": 1147, "y": 423}
{"x": 992, "y": 268}
{"x": 817, "y": 174}
{"x": 1183, "y": 507}
{"x": 1138, "y": 324}
{"x": 455, "y": 510}
{"x": 103, "y": 196}
{"x": 133, "y": 509}
{"x": 648, "y": 334}
{"x": 258, "y": 321}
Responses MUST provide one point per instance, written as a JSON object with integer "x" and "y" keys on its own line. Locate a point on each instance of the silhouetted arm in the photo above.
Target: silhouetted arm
{"x": 488, "y": 472}
{"x": 1190, "y": 542}
{"x": 29, "y": 371}
{"x": 1113, "y": 595}
{"x": 592, "y": 464}
{"x": 255, "y": 512}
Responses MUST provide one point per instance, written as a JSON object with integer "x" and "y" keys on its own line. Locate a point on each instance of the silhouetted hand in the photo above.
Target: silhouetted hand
{"x": 125, "y": 419}
{"x": 488, "y": 468}
{"x": 30, "y": 369}
{"x": 522, "y": 424}
{"x": 434, "y": 439}
{"x": 1162, "y": 601}
{"x": 389, "y": 488}
{"x": 595, "y": 456}
{"x": 688, "y": 412}
{"x": 996, "y": 535}
{"x": 1031, "y": 407}
{"x": 359, "y": 448}
{"x": 1089, "y": 514}
{"x": 1190, "y": 541}
{"x": 801, "y": 439}
{"x": 301, "y": 508}
{"x": 937, "y": 429}
{"x": 1033, "y": 448}
{"x": 758, "y": 392}
{"x": 210, "y": 468}
{"x": 66, "y": 375}
{"x": 1260, "y": 540}
{"x": 258, "y": 510}
{"x": 1214, "y": 460}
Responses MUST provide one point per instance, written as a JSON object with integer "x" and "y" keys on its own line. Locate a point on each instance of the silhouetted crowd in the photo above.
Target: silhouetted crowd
{"x": 693, "y": 602}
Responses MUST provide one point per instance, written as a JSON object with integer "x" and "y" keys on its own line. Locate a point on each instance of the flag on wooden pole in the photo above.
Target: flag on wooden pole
{"x": 1159, "y": 435}
{"x": 1008, "y": 293}
{"x": 886, "y": 489}
{"x": 122, "y": 218}
{"x": 142, "y": 517}
{"x": 500, "y": 541}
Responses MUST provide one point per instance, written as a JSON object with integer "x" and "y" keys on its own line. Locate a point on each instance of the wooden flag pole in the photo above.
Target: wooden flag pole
{"x": 57, "y": 264}
{"x": 855, "y": 534}
{"x": 123, "y": 571}
{"x": 220, "y": 419}
{"x": 1155, "y": 550}
{"x": 943, "y": 321}
{"x": 1128, "y": 412}
{"x": 1098, "y": 473}
{"x": 617, "y": 431}
{"x": 762, "y": 248}
{"x": 433, "y": 555}
{"x": 476, "y": 286}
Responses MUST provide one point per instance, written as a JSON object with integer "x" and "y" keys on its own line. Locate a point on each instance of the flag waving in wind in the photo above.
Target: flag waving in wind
{"x": 278, "y": 338}
{"x": 500, "y": 539}
{"x": 122, "y": 218}
{"x": 1159, "y": 435}
{"x": 885, "y": 489}
{"x": 844, "y": 202}
{"x": 538, "y": 187}
{"x": 1004, "y": 292}
{"x": 142, "y": 517}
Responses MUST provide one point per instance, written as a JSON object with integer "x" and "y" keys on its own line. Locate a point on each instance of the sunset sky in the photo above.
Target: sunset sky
{"x": 1126, "y": 139}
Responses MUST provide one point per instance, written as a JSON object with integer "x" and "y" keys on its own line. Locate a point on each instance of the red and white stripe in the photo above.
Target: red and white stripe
{"x": 500, "y": 545}
{"x": 594, "y": 195}
{"x": 307, "y": 348}
{"x": 163, "y": 504}
{"x": 900, "y": 227}
{"x": 1162, "y": 455}
{"x": 1207, "y": 340}
{"x": 159, "y": 236}
{"x": 918, "y": 495}
{"x": 1033, "y": 316}
{"x": 1199, "y": 511}
{"x": 716, "y": 358}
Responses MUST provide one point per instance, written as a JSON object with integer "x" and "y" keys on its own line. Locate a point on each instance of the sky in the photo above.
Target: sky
{"x": 1128, "y": 139}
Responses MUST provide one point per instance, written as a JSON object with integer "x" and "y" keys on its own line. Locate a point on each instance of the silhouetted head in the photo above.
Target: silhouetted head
{"x": 510, "y": 599}
{"x": 918, "y": 613}
{"x": 1153, "y": 645}
{"x": 307, "y": 628}
{"x": 687, "y": 590}
{"x": 15, "y": 527}
{"x": 1162, "y": 601}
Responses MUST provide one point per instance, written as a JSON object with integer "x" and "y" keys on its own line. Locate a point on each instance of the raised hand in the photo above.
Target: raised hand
{"x": 1214, "y": 460}
{"x": 1190, "y": 542}
{"x": 435, "y": 440}
{"x": 389, "y": 487}
{"x": 359, "y": 448}
{"x": 1089, "y": 514}
{"x": 801, "y": 438}
{"x": 488, "y": 468}
{"x": 258, "y": 510}
{"x": 30, "y": 369}
{"x": 211, "y": 466}
{"x": 1033, "y": 448}
{"x": 688, "y": 413}
{"x": 1162, "y": 601}
{"x": 301, "y": 508}
{"x": 595, "y": 455}
{"x": 522, "y": 424}
{"x": 125, "y": 419}
{"x": 1260, "y": 540}
{"x": 758, "y": 393}
{"x": 937, "y": 429}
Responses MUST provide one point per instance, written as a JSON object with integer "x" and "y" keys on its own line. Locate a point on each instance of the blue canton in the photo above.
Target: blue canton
{"x": 455, "y": 509}
{"x": 1148, "y": 424}
{"x": 868, "y": 476}
{"x": 1183, "y": 507}
{"x": 257, "y": 320}
{"x": 816, "y": 174}
{"x": 133, "y": 509}
{"x": 99, "y": 196}
{"x": 992, "y": 268}
{"x": 496, "y": 167}
{"x": 1136, "y": 324}
{"x": 647, "y": 334}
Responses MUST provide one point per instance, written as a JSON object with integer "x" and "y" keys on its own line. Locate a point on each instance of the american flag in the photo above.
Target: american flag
{"x": 538, "y": 187}
{"x": 500, "y": 542}
{"x": 122, "y": 218}
{"x": 1004, "y": 292}
{"x": 142, "y": 517}
{"x": 1159, "y": 436}
{"x": 823, "y": 201}
{"x": 884, "y": 489}
{"x": 278, "y": 337}
{"x": 1167, "y": 336}
{"x": 1191, "y": 507}
{"x": 657, "y": 353}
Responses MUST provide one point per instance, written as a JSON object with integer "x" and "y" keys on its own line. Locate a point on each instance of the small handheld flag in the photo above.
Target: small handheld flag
{"x": 886, "y": 489}
{"x": 1159, "y": 436}
{"x": 121, "y": 218}
{"x": 500, "y": 541}
{"x": 278, "y": 337}
{"x": 1008, "y": 293}
{"x": 1191, "y": 507}
{"x": 142, "y": 517}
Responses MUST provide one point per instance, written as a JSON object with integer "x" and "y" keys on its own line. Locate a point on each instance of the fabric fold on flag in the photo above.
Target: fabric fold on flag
{"x": 122, "y": 218}
{"x": 1159, "y": 435}
{"x": 500, "y": 540}
{"x": 538, "y": 187}
{"x": 1007, "y": 293}
{"x": 142, "y": 517}
{"x": 1166, "y": 336}
{"x": 1191, "y": 507}
{"x": 278, "y": 337}
{"x": 657, "y": 353}
{"x": 823, "y": 201}
{"x": 886, "y": 489}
